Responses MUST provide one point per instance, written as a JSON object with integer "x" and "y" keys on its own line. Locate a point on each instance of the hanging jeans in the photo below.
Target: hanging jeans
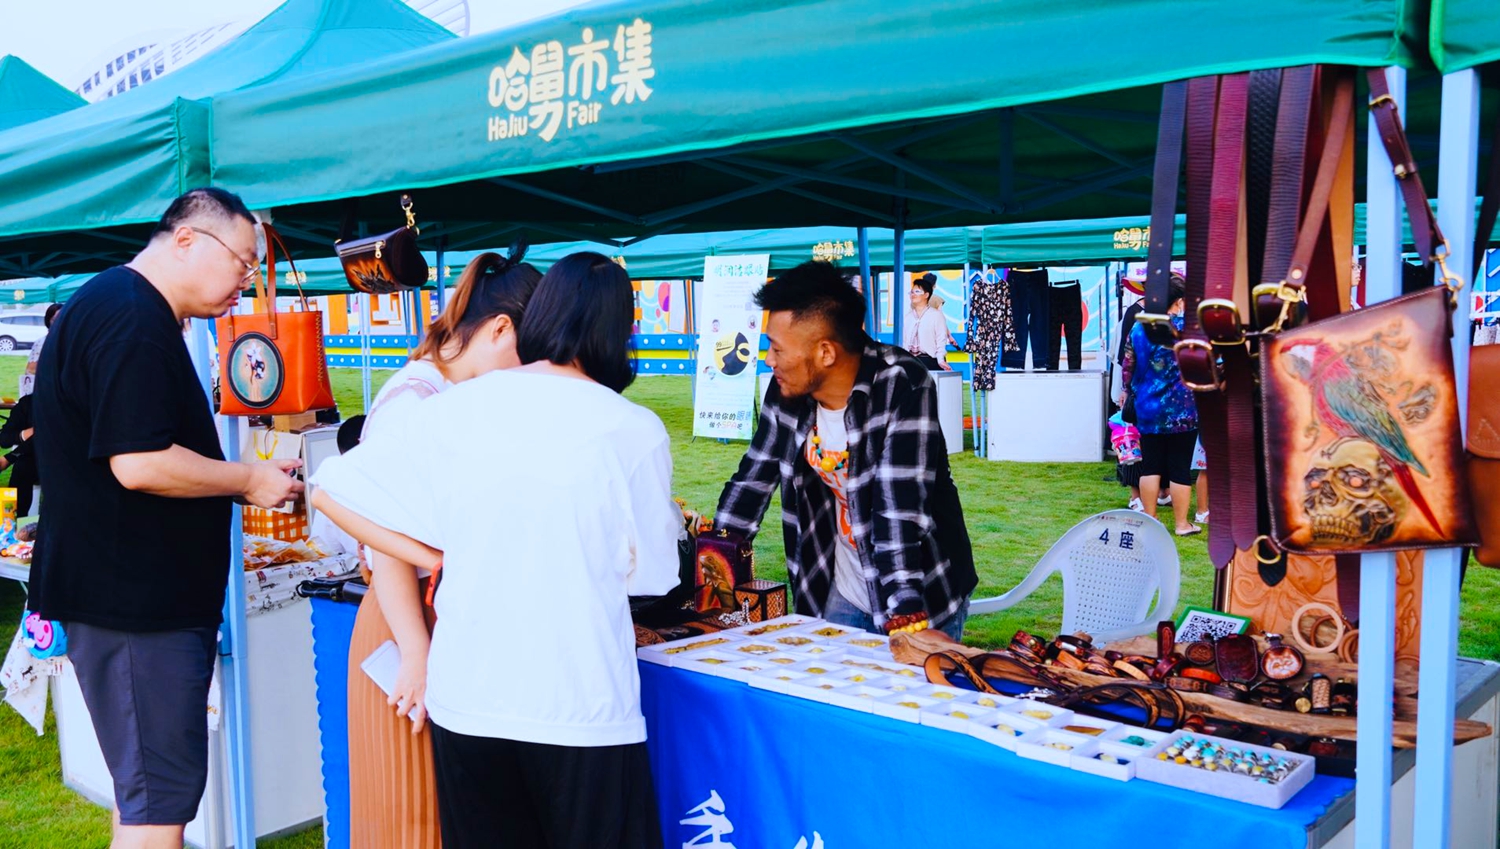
{"x": 1065, "y": 307}
{"x": 1029, "y": 302}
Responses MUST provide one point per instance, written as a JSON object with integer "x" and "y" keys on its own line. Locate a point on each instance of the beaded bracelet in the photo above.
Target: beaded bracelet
{"x": 901, "y": 624}
{"x": 912, "y": 629}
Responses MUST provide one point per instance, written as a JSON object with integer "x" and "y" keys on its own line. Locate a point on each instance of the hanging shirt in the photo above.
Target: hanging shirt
{"x": 833, "y": 438}
{"x": 550, "y": 498}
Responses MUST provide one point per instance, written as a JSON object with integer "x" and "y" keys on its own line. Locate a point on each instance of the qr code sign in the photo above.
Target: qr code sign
{"x": 1207, "y": 626}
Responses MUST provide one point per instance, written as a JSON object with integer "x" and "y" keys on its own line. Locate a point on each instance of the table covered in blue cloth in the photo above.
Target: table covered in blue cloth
{"x": 782, "y": 771}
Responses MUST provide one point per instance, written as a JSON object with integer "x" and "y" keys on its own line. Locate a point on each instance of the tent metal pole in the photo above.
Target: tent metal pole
{"x": 1458, "y": 173}
{"x": 898, "y": 270}
{"x": 1377, "y": 603}
{"x": 866, "y": 282}
{"x": 442, "y": 277}
{"x": 364, "y": 349}
{"x": 235, "y": 673}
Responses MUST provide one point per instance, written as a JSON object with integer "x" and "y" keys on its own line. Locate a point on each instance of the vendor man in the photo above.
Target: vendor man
{"x": 874, "y": 532}
{"x": 132, "y": 555}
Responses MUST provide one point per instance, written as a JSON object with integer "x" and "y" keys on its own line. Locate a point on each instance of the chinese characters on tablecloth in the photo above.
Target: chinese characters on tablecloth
{"x": 556, "y": 86}
{"x": 712, "y": 817}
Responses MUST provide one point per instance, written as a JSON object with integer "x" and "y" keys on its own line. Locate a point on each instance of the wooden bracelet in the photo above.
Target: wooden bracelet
{"x": 1305, "y": 641}
{"x": 1349, "y": 647}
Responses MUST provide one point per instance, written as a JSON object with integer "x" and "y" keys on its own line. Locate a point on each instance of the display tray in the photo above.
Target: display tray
{"x": 1105, "y": 763}
{"x": 1222, "y": 783}
{"x": 664, "y": 654}
{"x": 961, "y": 717}
{"x": 903, "y": 706}
{"x": 770, "y": 627}
{"x": 1003, "y": 729}
{"x": 1047, "y": 745}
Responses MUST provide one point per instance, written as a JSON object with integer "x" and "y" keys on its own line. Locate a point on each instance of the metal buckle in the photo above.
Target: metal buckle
{"x": 1287, "y": 295}
{"x": 1206, "y": 380}
{"x": 1159, "y": 327}
{"x": 1230, "y": 331}
{"x": 1445, "y": 276}
{"x": 1383, "y": 100}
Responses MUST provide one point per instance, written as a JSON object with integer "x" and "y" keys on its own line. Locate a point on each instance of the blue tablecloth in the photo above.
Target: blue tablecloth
{"x": 777, "y": 769}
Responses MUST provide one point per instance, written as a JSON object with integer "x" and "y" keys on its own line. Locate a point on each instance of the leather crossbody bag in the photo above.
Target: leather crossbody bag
{"x": 388, "y": 263}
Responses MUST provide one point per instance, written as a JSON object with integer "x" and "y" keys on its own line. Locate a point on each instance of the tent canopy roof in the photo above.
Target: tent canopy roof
{"x": 27, "y": 94}
{"x": 123, "y": 159}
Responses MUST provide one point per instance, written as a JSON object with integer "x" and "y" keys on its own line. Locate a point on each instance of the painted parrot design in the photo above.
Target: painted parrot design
{"x": 1352, "y": 408}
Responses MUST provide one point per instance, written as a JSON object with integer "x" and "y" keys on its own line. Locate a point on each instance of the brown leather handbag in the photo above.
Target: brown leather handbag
{"x": 273, "y": 363}
{"x": 1484, "y": 450}
{"x": 1363, "y": 449}
{"x": 388, "y": 263}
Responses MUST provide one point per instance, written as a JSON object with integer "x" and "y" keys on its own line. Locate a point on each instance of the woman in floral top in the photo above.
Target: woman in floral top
{"x": 1165, "y": 415}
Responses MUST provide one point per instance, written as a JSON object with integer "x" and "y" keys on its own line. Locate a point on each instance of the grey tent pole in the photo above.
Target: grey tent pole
{"x": 442, "y": 283}
{"x": 364, "y": 349}
{"x": 866, "y": 283}
{"x": 898, "y": 275}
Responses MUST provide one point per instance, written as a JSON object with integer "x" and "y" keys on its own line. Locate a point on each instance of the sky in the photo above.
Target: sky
{"x": 66, "y": 38}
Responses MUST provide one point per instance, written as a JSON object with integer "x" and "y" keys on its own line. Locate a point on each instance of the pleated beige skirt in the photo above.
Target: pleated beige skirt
{"x": 392, "y": 790}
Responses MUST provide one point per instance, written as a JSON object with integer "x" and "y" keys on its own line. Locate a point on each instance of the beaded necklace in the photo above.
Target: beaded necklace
{"x": 828, "y": 461}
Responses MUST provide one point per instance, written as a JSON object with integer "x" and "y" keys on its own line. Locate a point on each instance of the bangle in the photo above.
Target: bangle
{"x": 1204, "y": 675}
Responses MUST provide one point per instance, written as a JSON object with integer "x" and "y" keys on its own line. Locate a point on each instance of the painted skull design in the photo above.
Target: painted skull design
{"x": 1351, "y": 496}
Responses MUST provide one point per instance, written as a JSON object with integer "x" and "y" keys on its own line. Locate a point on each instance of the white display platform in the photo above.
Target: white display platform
{"x": 950, "y": 392}
{"x": 1047, "y": 417}
{"x": 283, "y": 731}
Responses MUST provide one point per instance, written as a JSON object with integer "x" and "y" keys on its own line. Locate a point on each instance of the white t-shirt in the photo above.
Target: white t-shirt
{"x": 848, "y": 578}
{"x": 550, "y": 498}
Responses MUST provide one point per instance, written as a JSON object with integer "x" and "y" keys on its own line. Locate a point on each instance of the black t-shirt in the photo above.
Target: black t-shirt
{"x": 115, "y": 378}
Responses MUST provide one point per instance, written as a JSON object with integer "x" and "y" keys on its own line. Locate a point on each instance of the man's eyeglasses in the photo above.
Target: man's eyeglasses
{"x": 251, "y": 268}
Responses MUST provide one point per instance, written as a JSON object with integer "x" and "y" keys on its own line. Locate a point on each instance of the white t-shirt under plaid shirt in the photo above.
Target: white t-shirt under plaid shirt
{"x": 833, "y": 437}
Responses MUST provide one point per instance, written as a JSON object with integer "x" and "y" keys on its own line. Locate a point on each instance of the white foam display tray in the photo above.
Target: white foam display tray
{"x": 1226, "y": 785}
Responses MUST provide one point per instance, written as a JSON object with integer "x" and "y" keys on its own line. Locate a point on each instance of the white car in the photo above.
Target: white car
{"x": 19, "y": 330}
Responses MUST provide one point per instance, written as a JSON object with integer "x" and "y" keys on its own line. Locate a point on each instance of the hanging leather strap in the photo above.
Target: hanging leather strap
{"x": 1287, "y": 175}
{"x": 1265, "y": 97}
{"x": 1154, "y": 317}
{"x": 1424, "y": 225}
{"x": 266, "y": 292}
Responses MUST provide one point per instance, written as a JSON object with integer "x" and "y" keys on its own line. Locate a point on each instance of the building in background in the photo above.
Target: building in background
{"x": 153, "y": 56}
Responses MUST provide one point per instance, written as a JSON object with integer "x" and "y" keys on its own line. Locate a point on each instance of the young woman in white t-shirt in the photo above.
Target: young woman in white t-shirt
{"x": 390, "y": 754}
{"x": 927, "y": 338}
{"x": 547, "y": 496}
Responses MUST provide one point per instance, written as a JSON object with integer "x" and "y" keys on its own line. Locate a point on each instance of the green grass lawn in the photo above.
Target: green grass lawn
{"x": 1014, "y": 512}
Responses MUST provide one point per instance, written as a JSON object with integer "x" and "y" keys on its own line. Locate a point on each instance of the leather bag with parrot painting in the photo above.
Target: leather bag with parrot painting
{"x": 1363, "y": 446}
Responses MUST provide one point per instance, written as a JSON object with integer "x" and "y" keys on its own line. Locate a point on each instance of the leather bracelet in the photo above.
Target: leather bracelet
{"x": 1131, "y": 670}
{"x": 1207, "y": 676}
{"x": 1068, "y": 660}
{"x": 1225, "y": 691}
{"x": 1186, "y": 685}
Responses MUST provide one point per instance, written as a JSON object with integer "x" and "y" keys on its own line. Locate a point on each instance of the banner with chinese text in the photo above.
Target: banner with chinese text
{"x": 728, "y": 346}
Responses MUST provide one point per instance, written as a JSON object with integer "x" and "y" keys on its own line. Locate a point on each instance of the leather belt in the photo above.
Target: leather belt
{"x": 1158, "y": 325}
{"x": 1265, "y": 96}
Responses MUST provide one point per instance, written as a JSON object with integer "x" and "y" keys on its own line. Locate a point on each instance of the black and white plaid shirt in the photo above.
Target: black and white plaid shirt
{"x": 903, "y": 506}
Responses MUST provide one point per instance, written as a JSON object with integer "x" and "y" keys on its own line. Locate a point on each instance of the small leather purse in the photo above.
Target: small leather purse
{"x": 387, "y": 263}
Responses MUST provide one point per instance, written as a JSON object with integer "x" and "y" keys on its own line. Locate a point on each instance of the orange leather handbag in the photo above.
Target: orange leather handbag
{"x": 273, "y": 363}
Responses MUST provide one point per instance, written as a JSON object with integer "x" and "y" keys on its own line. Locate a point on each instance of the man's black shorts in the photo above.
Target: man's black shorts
{"x": 148, "y": 696}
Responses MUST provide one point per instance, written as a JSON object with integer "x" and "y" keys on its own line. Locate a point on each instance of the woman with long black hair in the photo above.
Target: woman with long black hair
{"x": 547, "y": 497}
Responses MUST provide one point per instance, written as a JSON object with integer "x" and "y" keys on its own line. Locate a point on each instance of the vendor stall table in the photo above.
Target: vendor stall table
{"x": 780, "y": 769}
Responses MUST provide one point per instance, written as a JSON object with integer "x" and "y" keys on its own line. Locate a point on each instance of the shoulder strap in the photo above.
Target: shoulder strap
{"x": 1424, "y": 225}
{"x": 1287, "y": 173}
{"x": 1260, "y": 159}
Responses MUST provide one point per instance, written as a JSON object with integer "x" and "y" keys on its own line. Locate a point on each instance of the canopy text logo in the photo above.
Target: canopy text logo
{"x": 555, "y": 87}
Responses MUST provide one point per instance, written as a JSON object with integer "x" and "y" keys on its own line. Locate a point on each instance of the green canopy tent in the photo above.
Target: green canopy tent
{"x": 122, "y": 160}
{"x": 41, "y": 290}
{"x": 27, "y": 94}
{"x": 731, "y": 114}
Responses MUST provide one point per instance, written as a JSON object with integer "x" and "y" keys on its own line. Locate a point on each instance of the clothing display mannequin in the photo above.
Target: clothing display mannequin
{"x": 1065, "y": 311}
{"x": 1030, "y": 301}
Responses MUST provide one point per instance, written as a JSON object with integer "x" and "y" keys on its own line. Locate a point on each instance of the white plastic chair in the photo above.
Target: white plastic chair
{"x": 1112, "y": 564}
